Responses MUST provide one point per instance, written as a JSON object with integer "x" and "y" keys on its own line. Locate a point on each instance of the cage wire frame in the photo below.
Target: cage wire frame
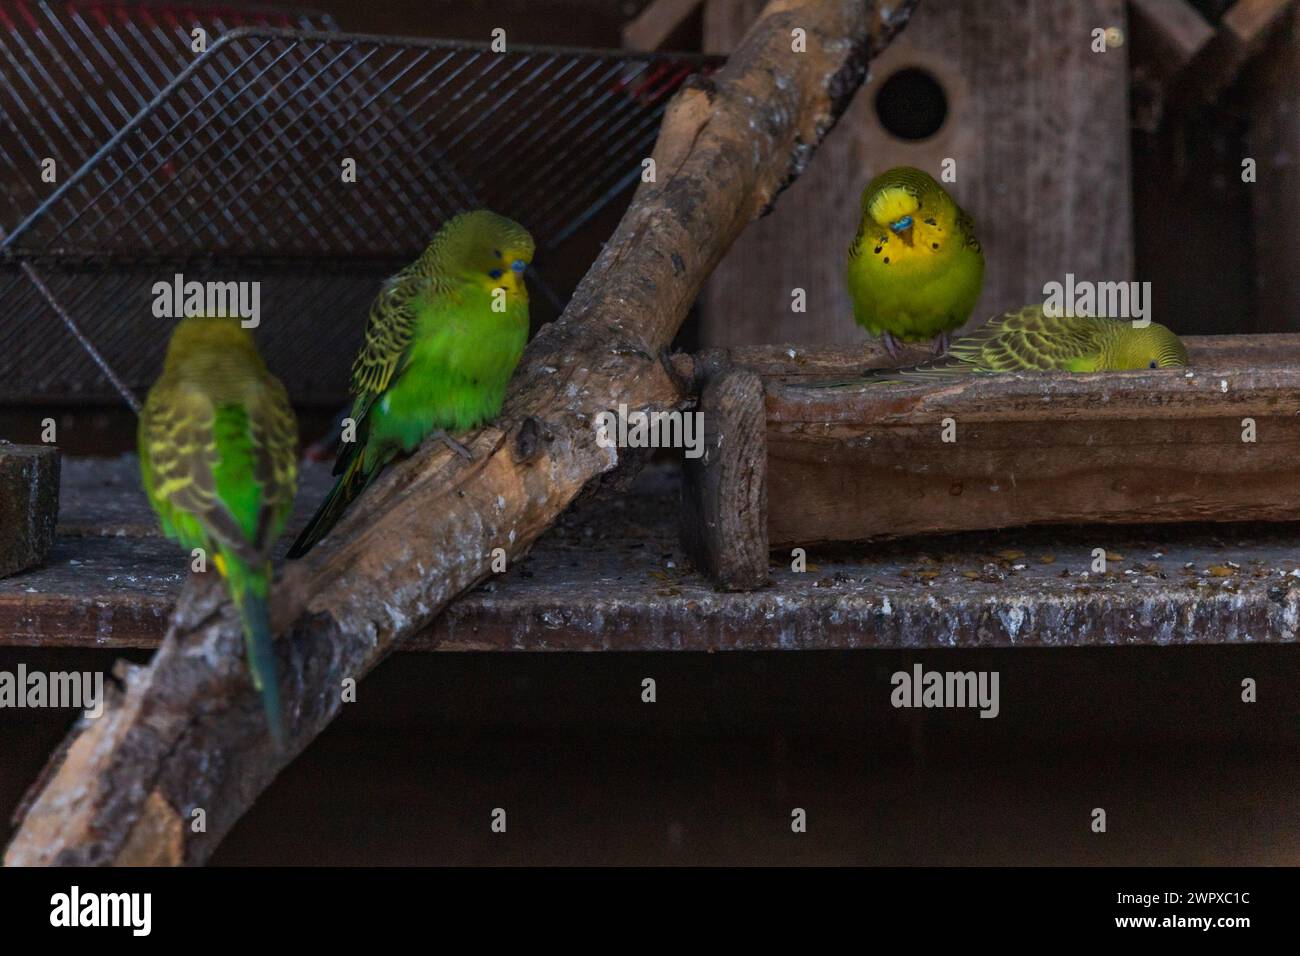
{"x": 92, "y": 65}
{"x": 80, "y": 70}
{"x": 233, "y": 172}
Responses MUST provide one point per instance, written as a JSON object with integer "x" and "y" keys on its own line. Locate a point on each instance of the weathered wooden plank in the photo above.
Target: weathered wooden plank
{"x": 1034, "y": 448}
{"x": 29, "y": 504}
{"x": 790, "y": 363}
{"x": 613, "y": 576}
{"x": 1037, "y": 124}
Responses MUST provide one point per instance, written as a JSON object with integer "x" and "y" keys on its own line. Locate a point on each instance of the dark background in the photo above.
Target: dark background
{"x": 1158, "y": 737}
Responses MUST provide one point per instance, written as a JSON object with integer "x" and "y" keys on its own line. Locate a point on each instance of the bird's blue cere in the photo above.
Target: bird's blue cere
{"x": 519, "y": 265}
{"x": 902, "y": 224}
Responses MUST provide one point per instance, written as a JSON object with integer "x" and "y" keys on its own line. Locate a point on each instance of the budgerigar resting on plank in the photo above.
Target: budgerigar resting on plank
{"x": 1027, "y": 339}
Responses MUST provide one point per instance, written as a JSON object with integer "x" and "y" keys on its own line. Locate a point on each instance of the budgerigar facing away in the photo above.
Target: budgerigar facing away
{"x": 442, "y": 340}
{"x": 218, "y": 456}
{"x": 915, "y": 266}
{"x": 1027, "y": 339}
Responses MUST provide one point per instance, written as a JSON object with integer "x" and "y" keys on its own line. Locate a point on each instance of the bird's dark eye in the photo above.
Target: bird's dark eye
{"x": 496, "y": 273}
{"x": 1154, "y": 364}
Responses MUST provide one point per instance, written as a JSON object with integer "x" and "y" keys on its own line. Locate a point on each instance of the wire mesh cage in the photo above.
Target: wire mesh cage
{"x": 237, "y": 170}
{"x": 77, "y": 71}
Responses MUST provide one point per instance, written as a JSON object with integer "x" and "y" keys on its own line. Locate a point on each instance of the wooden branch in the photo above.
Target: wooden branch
{"x": 186, "y": 732}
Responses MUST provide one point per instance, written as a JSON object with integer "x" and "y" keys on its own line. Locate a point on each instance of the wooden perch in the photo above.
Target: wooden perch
{"x": 186, "y": 732}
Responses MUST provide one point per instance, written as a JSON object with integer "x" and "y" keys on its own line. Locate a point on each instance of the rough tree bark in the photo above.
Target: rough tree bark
{"x": 186, "y": 733}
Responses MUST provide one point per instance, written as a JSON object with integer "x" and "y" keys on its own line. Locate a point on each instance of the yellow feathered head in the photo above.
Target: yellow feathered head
{"x": 485, "y": 249}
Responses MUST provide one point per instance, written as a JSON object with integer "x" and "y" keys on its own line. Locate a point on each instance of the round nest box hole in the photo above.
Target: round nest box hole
{"x": 911, "y": 104}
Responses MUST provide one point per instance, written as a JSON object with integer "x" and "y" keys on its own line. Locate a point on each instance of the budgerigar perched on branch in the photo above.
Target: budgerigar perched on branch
{"x": 1027, "y": 340}
{"x": 915, "y": 266}
{"x": 443, "y": 338}
{"x": 218, "y": 456}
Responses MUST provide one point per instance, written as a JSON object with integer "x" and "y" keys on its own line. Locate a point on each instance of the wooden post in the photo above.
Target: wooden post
{"x": 29, "y": 505}
{"x": 1273, "y": 143}
{"x": 724, "y": 492}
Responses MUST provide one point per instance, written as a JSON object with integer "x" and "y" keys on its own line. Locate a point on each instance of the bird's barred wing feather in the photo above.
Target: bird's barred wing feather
{"x": 185, "y": 438}
{"x": 1026, "y": 339}
{"x": 389, "y": 329}
{"x": 1021, "y": 340}
{"x": 178, "y": 436}
{"x": 966, "y": 226}
{"x": 273, "y": 432}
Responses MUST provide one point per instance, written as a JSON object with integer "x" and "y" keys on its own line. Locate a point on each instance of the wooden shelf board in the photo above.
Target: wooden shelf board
{"x": 612, "y": 576}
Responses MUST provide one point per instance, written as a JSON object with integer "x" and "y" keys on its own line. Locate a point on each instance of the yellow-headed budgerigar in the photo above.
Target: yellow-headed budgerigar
{"x": 915, "y": 267}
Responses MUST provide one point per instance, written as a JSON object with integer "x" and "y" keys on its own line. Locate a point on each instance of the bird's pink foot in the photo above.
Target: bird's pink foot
{"x": 941, "y": 343}
{"x": 891, "y": 345}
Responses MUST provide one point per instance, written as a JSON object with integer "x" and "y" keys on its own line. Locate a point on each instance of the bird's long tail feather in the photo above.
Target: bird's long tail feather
{"x": 350, "y": 484}
{"x": 248, "y": 589}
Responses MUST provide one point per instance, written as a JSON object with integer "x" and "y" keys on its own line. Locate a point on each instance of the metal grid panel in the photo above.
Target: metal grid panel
{"x": 234, "y": 171}
{"x": 241, "y": 155}
{"x": 76, "y": 71}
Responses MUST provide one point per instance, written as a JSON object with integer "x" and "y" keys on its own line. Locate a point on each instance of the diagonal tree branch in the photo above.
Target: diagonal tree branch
{"x": 186, "y": 733}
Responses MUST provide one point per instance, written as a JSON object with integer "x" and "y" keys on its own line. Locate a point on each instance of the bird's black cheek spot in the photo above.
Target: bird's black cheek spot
{"x": 934, "y": 245}
{"x": 886, "y": 260}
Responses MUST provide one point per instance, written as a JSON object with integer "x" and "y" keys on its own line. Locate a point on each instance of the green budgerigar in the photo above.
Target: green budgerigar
{"x": 218, "y": 457}
{"x": 915, "y": 268}
{"x": 1028, "y": 339}
{"x": 442, "y": 340}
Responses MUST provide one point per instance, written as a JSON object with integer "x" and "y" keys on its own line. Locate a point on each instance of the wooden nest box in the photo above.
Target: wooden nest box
{"x": 1007, "y": 96}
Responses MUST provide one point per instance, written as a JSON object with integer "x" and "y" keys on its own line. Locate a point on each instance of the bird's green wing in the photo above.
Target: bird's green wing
{"x": 220, "y": 474}
{"x": 389, "y": 330}
{"x": 179, "y": 450}
{"x": 273, "y": 433}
